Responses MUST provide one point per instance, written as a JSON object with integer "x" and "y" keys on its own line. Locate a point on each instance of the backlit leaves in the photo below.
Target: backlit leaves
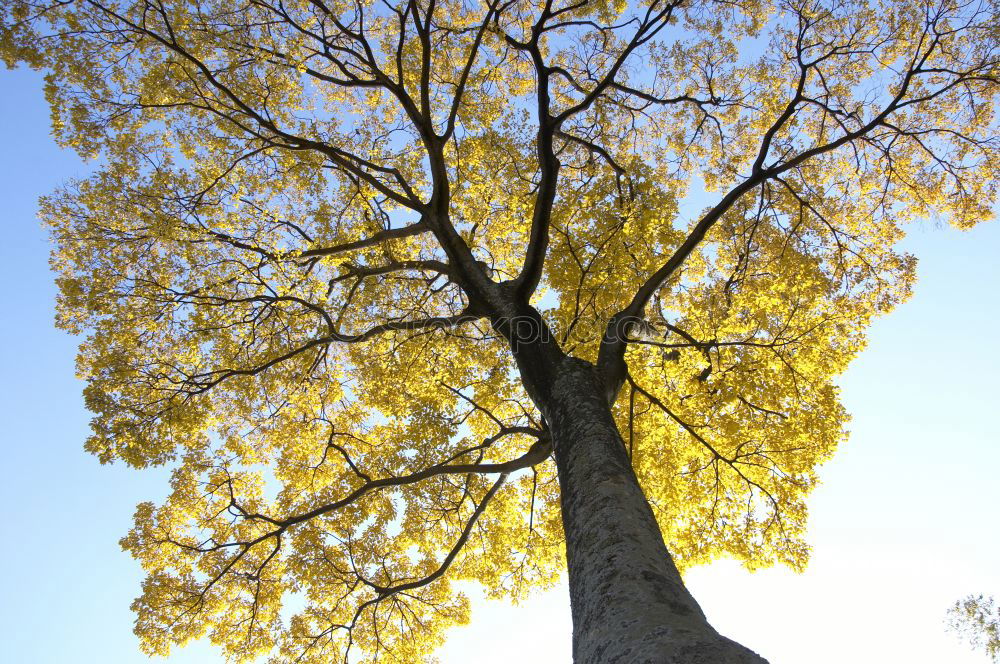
{"x": 284, "y": 258}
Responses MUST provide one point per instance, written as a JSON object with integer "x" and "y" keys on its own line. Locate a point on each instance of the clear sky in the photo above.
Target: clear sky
{"x": 905, "y": 522}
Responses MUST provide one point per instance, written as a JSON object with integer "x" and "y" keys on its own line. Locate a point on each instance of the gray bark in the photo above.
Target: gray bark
{"x": 628, "y": 601}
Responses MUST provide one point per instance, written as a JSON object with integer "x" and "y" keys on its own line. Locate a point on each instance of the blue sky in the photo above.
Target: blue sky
{"x": 904, "y": 523}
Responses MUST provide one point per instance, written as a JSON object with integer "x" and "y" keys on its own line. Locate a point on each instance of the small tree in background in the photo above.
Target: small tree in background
{"x": 977, "y": 619}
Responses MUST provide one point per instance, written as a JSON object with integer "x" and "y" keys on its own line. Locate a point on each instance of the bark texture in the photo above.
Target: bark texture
{"x": 629, "y": 603}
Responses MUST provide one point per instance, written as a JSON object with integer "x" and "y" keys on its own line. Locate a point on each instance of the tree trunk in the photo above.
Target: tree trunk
{"x": 628, "y": 602}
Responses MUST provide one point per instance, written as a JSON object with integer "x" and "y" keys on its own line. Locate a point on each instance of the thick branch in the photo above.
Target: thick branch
{"x": 374, "y": 240}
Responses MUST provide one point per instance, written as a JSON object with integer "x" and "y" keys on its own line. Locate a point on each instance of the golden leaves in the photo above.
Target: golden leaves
{"x": 261, "y": 316}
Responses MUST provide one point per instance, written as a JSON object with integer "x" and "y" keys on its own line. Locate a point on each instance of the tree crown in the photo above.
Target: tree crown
{"x": 318, "y": 229}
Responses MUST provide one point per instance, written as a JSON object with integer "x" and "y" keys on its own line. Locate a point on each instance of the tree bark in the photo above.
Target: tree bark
{"x": 628, "y": 601}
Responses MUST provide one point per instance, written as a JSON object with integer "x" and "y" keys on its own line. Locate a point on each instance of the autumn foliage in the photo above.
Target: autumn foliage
{"x": 284, "y": 260}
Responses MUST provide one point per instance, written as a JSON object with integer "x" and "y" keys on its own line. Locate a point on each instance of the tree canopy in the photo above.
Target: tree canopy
{"x": 285, "y": 265}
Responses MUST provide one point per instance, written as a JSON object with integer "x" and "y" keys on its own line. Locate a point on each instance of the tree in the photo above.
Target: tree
{"x": 414, "y": 291}
{"x": 977, "y": 619}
